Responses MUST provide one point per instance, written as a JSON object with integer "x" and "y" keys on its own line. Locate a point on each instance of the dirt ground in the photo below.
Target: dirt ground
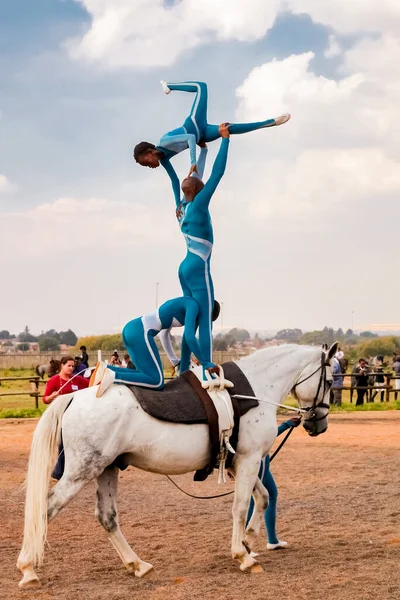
{"x": 339, "y": 509}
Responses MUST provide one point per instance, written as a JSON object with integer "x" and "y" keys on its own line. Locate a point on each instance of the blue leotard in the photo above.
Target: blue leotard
{"x": 195, "y": 128}
{"x": 269, "y": 483}
{"x": 194, "y": 270}
{"x": 138, "y": 336}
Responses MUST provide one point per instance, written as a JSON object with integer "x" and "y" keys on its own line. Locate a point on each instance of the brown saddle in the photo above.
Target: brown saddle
{"x": 183, "y": 400}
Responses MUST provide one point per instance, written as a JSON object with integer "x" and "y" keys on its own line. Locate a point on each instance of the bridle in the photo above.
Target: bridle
{"x": 322, "y": 384}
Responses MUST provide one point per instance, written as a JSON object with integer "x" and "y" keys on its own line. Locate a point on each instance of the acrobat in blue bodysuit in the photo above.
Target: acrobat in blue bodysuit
{"x": 194, "y": 271}
{"x": 195, "y": 129}
{"x": 269, "y": 483}
{"x": 138, "y": 336}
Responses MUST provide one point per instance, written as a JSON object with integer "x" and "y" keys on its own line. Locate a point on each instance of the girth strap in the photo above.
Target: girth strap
{"x": 212, "y": 418}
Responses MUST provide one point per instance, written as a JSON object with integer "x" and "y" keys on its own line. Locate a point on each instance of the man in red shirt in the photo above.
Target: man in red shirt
{"x": 60, "y": 384}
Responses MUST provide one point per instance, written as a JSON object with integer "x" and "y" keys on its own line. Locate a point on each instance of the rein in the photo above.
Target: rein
{"x": 283, "y": 442}
{"x": 309, "y": 410}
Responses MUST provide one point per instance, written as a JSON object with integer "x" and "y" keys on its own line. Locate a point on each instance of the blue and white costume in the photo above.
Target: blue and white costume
{"x": 138, "y": 336}
{"x": 195, "y": 128}
{"x": 194, "y": 270}
{"x": 269, "y": 483}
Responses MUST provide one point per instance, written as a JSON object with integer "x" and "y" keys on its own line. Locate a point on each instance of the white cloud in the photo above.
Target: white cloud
{"x": 333, "y": 49}
{"x": 148, "y": 33}
{"x": 6, "y": 187}
{"x": 341, "y": 146}
{"x": 94, "y": 223}
{"x": 349, "y": 16}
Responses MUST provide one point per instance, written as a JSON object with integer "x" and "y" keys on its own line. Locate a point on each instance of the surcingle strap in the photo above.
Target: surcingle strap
{"x": 212, "y": 417}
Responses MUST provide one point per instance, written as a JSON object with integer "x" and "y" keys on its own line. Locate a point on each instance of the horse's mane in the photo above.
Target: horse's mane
{"x": 283, "y": 351}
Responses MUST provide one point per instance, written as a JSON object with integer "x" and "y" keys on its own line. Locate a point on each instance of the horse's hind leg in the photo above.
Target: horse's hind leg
{"x": 260, "y": 496}
{"x": 106, "y": 513}
{"x": 59, "y": 496}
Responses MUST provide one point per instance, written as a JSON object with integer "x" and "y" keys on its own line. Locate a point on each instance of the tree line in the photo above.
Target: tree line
{"x": 48, "y": 340}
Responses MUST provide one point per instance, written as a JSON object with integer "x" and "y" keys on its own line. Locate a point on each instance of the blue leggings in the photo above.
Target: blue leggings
{"x": 196, "y": 122}
{"x": 270, "y": 512}
{"x": 143, "y": 351}
{"x": 195, "y": 278}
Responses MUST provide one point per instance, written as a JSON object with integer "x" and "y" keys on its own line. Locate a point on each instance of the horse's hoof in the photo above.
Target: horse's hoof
{"x": 144, "y": 570}
{"x": 247, "y": 563}
{"x": 256, "y": 569}
{"x": 29, "y": 583}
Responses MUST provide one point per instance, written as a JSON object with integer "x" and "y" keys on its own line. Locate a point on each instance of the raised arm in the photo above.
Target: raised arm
{"x": 176, "y": 188}
{"x": 203, "y": 198}
{"x": 201, "y": 163}
{"x": 166, "y": 342}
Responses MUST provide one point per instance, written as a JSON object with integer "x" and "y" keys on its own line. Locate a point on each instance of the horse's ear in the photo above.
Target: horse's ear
{"x": 332, "y": 350}
{"x": 325, "y": 347}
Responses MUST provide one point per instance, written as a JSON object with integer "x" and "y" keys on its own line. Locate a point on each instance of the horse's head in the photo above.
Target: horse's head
{"x": 312, "y": 391}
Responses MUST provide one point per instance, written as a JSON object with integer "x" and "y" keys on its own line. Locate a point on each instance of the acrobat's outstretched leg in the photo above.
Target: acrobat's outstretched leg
{"x": 211, "y": 132}
{"x": 198, "y": 113}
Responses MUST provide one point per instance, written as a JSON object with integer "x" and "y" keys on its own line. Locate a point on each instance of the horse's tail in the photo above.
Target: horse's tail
{"x": 37, "y": 370}
{"x": 45, "y": 441}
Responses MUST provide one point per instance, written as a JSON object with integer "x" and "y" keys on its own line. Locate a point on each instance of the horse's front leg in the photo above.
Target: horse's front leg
{"x": 246, "y": 471}
{"x": 106, "y": 513}
{"x": 260, "y": 496}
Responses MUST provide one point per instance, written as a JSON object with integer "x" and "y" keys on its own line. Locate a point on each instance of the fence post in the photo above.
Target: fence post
{"x": 388, "y": 378}
{"x": 37, "y": 392}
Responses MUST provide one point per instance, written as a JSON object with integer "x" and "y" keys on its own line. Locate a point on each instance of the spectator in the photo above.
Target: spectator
{"x": 85, "y": 356}
{"x": 128, "y": 363}
{"x": 79, "y": 367}
{"x": 379, "y": 379}
{"x": 361, "y": 377}
{"x": 115, "y": 360}
{"x": 336, "y": 391}
{"x": 396, "y": 369}
{"x": 60, "y": 384}
{"x": 339, "y": 354}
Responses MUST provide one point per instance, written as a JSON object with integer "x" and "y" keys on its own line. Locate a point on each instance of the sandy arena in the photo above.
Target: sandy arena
{"x": 339, "y": 509}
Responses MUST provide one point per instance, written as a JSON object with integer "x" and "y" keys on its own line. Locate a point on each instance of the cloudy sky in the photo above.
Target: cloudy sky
{"x": 306, "y": 219}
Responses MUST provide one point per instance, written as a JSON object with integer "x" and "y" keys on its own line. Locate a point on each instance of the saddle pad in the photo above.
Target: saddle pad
{"x": 179, "y": 403}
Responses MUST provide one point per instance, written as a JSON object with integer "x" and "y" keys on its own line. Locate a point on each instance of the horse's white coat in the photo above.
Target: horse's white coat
{"x": 96, "y": 431}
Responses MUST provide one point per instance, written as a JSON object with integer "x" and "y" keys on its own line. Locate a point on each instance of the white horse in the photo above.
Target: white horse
{"x": 97, "y": 431}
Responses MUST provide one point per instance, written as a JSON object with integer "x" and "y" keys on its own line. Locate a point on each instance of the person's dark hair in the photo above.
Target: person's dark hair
{"x": 127, "y": 357}
{"x": 362, "y": 359}
{"x": 216, "y": 310}
{"x": 66, "y": 359}
{"x": 77, "y": 358}
{"x": 380, "y": 357}
{"x": 142, "y": 148}
{"x": 83, "y": 348}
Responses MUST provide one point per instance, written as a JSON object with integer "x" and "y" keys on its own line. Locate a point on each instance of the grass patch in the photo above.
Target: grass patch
{"x": 21, "y": 413}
